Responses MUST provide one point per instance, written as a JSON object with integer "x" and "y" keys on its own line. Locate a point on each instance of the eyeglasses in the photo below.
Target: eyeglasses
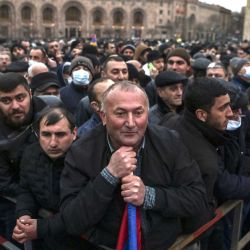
{"x": 178, "y": 62}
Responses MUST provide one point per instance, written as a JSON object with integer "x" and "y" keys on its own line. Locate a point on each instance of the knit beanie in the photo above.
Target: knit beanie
{"x": 180, "y": 52}
{"x": 84, "y": 61}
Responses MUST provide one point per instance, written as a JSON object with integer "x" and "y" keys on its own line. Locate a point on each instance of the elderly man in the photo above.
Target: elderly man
{"x": 127, "y": 161}
{"x": 41, "y": 167}
{"x": 17, "y": 111}
{"x": 5, "y": 60}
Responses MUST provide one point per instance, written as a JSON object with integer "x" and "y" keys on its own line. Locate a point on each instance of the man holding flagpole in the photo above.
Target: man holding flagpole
{"x": 127, "y": 184}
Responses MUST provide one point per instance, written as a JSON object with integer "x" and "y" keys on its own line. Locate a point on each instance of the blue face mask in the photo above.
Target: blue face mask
{"x": 233, "y": 125}
{"x": 80, "y": 77}
{"x": 247, "y": 73}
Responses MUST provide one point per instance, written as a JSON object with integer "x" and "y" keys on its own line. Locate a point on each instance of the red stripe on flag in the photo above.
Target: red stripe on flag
{"x": 123, "y": 233}
{"x": 2, "y": 240}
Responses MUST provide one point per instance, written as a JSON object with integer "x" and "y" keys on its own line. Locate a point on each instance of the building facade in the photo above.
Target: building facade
{"x": 246, "y": 31}
{"x": 151, "y": 19}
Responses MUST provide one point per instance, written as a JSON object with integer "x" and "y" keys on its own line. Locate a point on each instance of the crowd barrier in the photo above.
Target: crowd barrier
{"x": 183, "y": 241}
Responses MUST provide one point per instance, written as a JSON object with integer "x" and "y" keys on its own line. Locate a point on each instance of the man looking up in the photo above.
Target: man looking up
{"x": 127, "y": 161}
{"x": 41, "y": 167}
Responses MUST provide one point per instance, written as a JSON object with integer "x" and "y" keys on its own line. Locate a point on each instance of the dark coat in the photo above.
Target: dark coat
{"x": 94, "y": 207}
{"x": 12, "y": 144}
{"x": 71, "y": 95}
{"x": 160, "y": 110}
{"x": 39, "y": 188}
{"x": 205, "y": 144}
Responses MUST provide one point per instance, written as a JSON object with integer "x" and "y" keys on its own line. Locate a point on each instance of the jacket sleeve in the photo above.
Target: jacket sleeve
{"x": 51, "y": 226}
{"x": 8, "y": 179}
{"x": 26, "y": 203}
{"x": 82, "y": 196}
{"x": 232, "y": 186}
{"x": 186, "y": 196}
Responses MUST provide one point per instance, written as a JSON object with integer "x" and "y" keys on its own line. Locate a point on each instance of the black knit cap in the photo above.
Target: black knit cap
{"x": 44, "y": 80}
{"x": 167, "y": 78}
{"x": 180, "y": 52}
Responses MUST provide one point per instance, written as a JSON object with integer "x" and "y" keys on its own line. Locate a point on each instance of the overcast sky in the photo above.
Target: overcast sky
{"x": 234, "y": 5}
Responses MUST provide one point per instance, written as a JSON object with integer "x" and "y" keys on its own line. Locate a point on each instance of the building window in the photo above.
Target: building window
{"x": 161, "y": 12}
{"x": 118, "y": 18}
{"x": 160, "y": 21}
{"x": 48, "y": 15}
{"x": 4, "y": 31}
{"x": 138, "y": 18}
{"x": 5, "y": 13}
{"x": 26, "y": 14}
{"x": 73, "y": 14}
{"x": 97, "y": 17}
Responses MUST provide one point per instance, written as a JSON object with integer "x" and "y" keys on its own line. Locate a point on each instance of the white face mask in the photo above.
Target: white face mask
{"x": 32, "y": 62}
{"x": 233, "y": 125}
{"x": 247, "y": 73}
{"x": 80, "y": 77}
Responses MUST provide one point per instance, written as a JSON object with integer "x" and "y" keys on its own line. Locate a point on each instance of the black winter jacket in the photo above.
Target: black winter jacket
{"x": 94, "y": 207}
{"x": 205, "y": 144}
{"x": 39, "y": 188}
{"x": 12, "y": 144}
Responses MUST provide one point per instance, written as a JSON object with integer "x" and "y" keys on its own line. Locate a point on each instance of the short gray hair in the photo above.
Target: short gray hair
{"x": 126, "y": 86}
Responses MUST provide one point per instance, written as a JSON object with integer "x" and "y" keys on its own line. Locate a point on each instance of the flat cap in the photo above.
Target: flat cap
{"x": 167, "y": 78}
{"x": 200, "y": 63}
{"x": 44, "y": 80}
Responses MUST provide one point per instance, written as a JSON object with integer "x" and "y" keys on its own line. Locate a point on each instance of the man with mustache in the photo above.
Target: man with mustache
{"x": 17, "y": 112}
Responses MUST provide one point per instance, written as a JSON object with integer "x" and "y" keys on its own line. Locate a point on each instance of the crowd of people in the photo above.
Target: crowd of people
{"x": 89, "y": 130}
